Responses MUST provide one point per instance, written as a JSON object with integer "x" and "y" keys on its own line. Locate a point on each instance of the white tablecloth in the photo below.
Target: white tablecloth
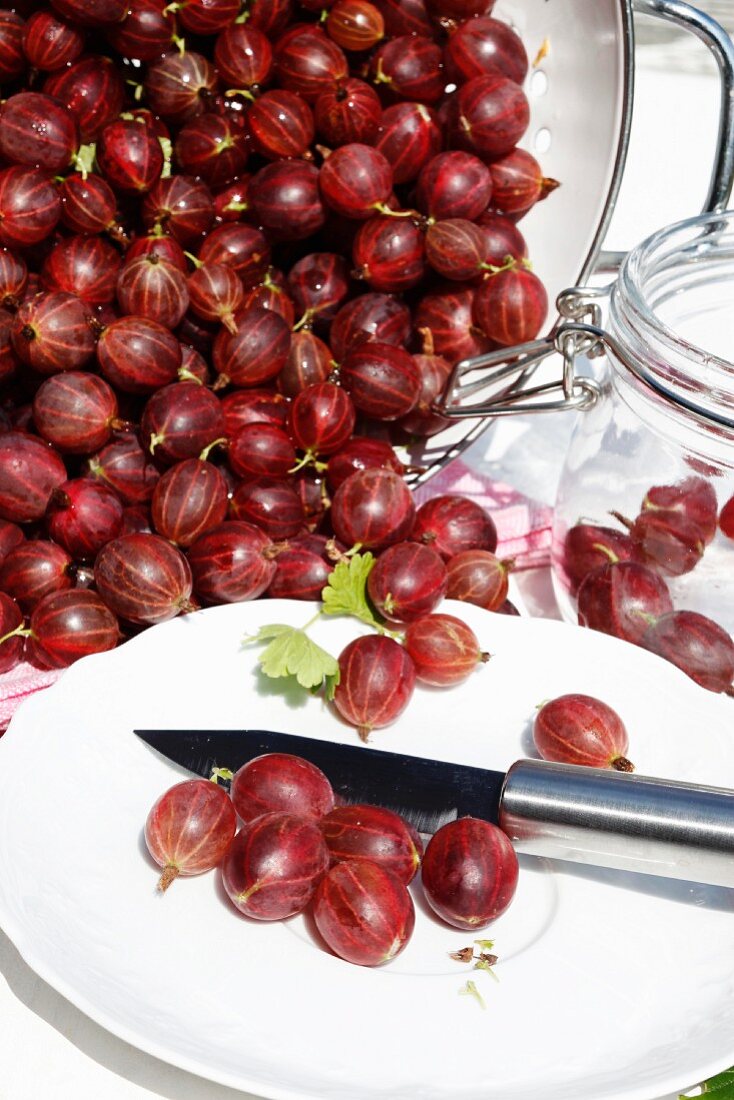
{"x": 49, "y": 1048}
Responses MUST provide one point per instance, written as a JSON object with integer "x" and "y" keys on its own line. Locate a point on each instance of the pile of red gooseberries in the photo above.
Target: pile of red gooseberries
{"x": 242, "y": 244}
{"x": 351, "y": 864}
{"x": 300, "y": 847}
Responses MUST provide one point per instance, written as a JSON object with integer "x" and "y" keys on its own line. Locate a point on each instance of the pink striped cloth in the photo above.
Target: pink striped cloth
{"x": 18, "y": 684}
{"x": 523, "y": 525}
{"x": 523, "y": 531}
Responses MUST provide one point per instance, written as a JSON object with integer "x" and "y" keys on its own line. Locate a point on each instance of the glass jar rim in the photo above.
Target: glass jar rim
{"x": 635, "y": 320}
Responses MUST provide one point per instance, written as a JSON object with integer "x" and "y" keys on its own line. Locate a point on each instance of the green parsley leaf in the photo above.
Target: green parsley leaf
{"x": 721, "y": 1086}
{"x": 346, "y": 591}
{"x": 292, "y": 653}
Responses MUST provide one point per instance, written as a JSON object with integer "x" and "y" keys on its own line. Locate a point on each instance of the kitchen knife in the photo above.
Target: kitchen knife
{"x": 594, "y": 816}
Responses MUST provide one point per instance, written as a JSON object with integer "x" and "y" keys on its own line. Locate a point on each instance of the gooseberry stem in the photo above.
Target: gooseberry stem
{"x": 19, "y": 632}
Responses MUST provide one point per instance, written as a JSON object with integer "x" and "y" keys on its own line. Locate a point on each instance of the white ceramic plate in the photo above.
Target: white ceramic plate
{"x": 611, "y": 985}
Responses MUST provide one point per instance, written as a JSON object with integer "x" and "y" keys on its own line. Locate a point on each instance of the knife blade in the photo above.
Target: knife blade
{"x": 428, "y": 793}
{"x": 593, "y": 816}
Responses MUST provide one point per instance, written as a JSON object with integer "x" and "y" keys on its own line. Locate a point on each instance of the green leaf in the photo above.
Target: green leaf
{"x": 291, "y": 652}
{"x": 721, "y": 1086}
{"x": 330, "y": 683}
{"x": 346, "y": 591}
{"x": 265, "y": 633}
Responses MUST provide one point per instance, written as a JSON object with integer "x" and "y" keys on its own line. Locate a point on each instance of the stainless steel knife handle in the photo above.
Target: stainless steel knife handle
{"x": 612, "y": 819}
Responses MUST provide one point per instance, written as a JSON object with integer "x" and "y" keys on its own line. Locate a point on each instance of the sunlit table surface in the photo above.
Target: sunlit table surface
{"x": 48, "y": 1048}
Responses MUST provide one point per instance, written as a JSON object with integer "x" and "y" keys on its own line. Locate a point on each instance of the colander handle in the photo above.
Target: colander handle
{"x": 713, "y": 35}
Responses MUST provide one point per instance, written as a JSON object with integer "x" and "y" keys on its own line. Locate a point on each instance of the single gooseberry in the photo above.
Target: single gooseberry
{"x": 444, "y": 650}
{"x": 322, "y": 418}
{"x": 364, "y": 912}
{"x": 485, "y": 45}
{"x": 580, "y": 729}
{"x": 189, "y": 499}
{"x": 355, "y": 180}
{"x": 469, "y": 873}
{"x": 29, "y": 472}
{"x": 300, "y": 574}
{"x": 143, "y": 578}
{"x": 38, "y": 131}
{"x": 407, "y": 581}
{"x": 83, "y": 515}
{"x": 126, "y": 467}
{"x": 138, "y": 355}
{"x": 273, "y": 506}
{"x": 359, "y": 831}
{"x": 281, "y": 782}
{"x": 180, "y": 420}
{"x": 373, "y": 508}
{"x": 308, "y": 62}
{"x": 33, "y": 569}
{"x": 478, "y": 577}
{"x": 697, "y": 645}
{"x": 232, "y": 562}
{"x": 189, "y": 829}
{"x": 389, "y": 253}
{"x": 409, "y": 137}
{"x": 50, "y": 42}
{"x": 281, "y": 124}
{"x": 71, "y": 624}
{"x": 510, "y": 306}
{"x": 381, "y": 379}
{"x": 274, "y": 864}
{"x": 620, "y": 597}
{"x": 376, "y": 682}
{"x": 491, "y": 114}
{"x": 76, "y": 411}
{"x": 355, "y": 25}
{"x": 588, "y": 545}
{"x": 129, "y": 157}
{"x": 261, "y": 450}
{"x": 52, "y": 332}
{"x": 518, "y": 182}
{"x": 454, "y": 185}
{"x": 349, "y": 113}
{"x": 451, "y": 523}
{"x": 409, "y": 67}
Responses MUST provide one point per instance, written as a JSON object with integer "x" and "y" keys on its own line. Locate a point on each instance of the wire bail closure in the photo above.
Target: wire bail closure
{"x": 578, "y": 332}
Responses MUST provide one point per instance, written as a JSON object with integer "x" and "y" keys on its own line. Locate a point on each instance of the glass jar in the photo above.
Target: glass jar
{"x": 664, "y": 417}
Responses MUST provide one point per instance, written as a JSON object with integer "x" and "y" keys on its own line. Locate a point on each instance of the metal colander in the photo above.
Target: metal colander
{"x": 580, "y": 88}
